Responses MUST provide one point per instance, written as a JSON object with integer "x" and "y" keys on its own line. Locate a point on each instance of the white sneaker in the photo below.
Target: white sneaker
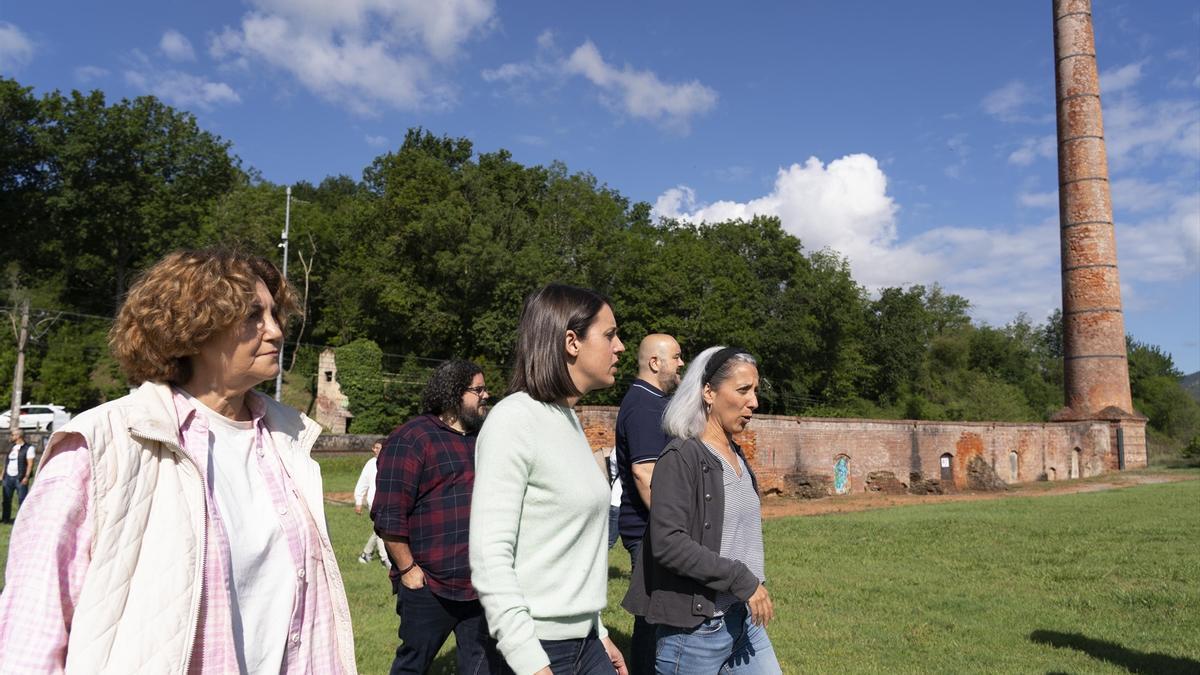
{"x": 364, "y": 558}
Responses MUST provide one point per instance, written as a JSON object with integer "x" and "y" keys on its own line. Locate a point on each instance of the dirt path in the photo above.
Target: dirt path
{"x": 781, "y": 507}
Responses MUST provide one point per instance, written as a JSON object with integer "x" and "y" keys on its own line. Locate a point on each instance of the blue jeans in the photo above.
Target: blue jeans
{"x": 727, "y": 644}
{"x": 641, "y": 649}
{"x": 12, "y": 485}
{"x": 582, "y": 656}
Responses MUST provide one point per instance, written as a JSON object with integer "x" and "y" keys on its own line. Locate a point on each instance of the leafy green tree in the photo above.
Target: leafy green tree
{"x": 126, "y": 182}
{"x": 360, "y": 375}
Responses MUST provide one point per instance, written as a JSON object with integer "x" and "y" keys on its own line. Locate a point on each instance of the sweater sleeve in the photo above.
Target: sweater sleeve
{"x": 502, "y": 468}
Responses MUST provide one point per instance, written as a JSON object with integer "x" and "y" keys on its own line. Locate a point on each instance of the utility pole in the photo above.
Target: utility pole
{"x": 287, "y": 221}
{"x": 14, "y": 417}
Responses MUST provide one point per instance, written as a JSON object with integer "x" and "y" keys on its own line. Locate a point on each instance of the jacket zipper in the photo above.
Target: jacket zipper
{"x": 195, "y": 613}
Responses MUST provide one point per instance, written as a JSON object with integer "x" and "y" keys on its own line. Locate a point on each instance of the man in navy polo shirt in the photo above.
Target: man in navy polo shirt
{"x": 640, "y": 439}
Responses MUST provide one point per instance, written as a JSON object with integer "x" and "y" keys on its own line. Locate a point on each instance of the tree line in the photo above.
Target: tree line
{"x": 430, "y": 253}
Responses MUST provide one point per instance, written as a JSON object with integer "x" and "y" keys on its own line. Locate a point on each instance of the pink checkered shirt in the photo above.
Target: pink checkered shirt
{"x": 50, "y": 550}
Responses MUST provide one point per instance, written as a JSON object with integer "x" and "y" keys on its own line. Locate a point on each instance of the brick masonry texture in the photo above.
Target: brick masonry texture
{"x": 779, "y": 447}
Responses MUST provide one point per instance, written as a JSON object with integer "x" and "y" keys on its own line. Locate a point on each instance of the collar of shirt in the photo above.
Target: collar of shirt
{"x": 442, "y": 423}
{"x": 186, "y": 408}
{"x": 639, "y": 382}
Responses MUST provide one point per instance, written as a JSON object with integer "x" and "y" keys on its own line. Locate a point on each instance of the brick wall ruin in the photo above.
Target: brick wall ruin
{"x": 801, "y": 456}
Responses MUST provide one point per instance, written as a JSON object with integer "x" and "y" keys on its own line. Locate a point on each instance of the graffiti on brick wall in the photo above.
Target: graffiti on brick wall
{"x": 841, "y": 475}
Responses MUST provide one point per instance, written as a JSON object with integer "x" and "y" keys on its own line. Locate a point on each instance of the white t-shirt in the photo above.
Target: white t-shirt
{"x": 260, "y": 564}
{"x": 14, "y": 456}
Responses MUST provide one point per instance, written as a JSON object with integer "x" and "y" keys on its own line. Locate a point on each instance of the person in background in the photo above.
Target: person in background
{"x": 422, "y": 509}
{"x": 17, "y": 472}
{"x": 181, "y": 528}
{"x": 640, "y": 439}
{"x": 701, "y": 578}
{"x": 614, "y": 503}
{"x": 539, "y": 513}
{"x": 364, "y": 495}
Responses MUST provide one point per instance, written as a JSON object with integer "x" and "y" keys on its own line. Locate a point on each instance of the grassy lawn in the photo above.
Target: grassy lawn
{"x": 1094, "y": 582}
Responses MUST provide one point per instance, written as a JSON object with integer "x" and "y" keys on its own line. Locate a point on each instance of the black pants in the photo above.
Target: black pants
{"x": 582, "y": 656}
{"x": 426, "y": 620}
{"x": 641, "y": 657}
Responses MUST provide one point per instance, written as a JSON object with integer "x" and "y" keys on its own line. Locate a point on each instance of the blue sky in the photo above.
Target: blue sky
{"x": 916, "y": 138}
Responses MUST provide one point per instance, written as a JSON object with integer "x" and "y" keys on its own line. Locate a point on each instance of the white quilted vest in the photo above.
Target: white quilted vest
{"x": 139, "y": 605}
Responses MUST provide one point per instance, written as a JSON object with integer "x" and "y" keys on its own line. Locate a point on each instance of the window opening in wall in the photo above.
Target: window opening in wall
{"x": 841, "y": 474}
{"x": 1075, "y": 462}
{"x": 1013, "y": 465}
{"x": 947, "y": 466}
{"x": 329, "y": 376}
{"x": 1053, "y": 473}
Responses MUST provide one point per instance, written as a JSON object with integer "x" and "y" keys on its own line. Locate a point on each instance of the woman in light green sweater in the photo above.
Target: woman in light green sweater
{"x": 539, "y": 509}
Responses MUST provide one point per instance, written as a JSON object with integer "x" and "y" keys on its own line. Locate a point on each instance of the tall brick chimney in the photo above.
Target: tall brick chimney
{"x": 1096, "y": 370}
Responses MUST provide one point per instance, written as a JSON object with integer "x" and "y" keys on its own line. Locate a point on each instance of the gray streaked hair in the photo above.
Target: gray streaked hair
{"x": 686, "y": 416}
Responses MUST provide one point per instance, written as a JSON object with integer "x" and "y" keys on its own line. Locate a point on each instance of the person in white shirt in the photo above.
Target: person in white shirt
{"x": 364, "y": 495}
{"x": 17, "y": 472}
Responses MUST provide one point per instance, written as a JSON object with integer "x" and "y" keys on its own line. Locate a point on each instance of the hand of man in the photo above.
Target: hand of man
{"x": 761, "y": 608}
{"x": 24, "y": 481}
{"x": 358, "y": 509}
{"x": 545, "y": 671}
{"x": 615, "y": 655}
{"x": 414, "y": 578}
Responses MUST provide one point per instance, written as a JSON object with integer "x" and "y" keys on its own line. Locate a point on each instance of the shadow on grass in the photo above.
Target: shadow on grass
{"x": 1130, "y": 659}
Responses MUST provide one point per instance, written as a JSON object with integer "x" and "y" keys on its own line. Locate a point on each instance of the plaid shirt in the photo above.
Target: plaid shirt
{"x": 423, "y": 494}
{"x": 45, "y": 574}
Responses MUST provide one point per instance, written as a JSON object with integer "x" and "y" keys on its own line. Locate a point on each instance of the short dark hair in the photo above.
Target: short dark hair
{"x": 540, "y": 364}
{"x": 446, "y": 386}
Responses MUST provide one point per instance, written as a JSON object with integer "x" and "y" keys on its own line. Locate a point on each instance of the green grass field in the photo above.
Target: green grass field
{"x": 1093, "y": 582}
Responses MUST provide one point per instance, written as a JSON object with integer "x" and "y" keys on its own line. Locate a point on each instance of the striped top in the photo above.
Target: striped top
{"x": 741, "y": 531}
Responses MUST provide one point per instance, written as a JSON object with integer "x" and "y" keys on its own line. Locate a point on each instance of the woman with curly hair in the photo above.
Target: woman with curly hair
{"x": 181, "y": 528}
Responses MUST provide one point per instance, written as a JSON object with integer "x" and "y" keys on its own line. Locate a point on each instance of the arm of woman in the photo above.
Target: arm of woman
{"x": 48, "y": 555}
{"x": 675, "y": 484}
{"x": 502, "y": 468}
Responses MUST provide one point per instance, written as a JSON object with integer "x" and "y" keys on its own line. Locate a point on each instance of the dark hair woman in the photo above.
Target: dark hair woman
{"x": 539, "y": 547}
{"x": 701, "y": 577}
{"x": 181, "y": 528}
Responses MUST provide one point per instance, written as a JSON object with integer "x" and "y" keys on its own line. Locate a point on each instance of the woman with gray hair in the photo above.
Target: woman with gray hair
{"x": 701, "y": 576}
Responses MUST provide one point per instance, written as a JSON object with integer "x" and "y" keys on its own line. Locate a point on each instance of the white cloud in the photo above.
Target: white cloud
{"x": 1136, "y": 195}
{"x": 87, "y": 74}
{"x": 1008, "y": 103}
{"x": 176, "y": 47}
{"x": 1112, "y": 81}
{"x": 1038, "y": 200}
{"x": 957, "y": 144}
{"x": 1165, "y": 247}
{"x": 376, "y": 141}
{"x": 182, "y": 89}
{"x": 16, "y": 49}
{"x": 1140, "y": 133}
{"x": 844, "y": 206}
{"x": 1033, "y": 148}
{"x": 364, "y": 54}
{"x": 508, "y": 72}
{"x": 640, "y": 93}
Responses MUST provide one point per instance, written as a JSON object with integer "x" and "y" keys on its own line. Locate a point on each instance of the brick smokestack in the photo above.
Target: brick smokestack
{"x": 1095, "y": 363}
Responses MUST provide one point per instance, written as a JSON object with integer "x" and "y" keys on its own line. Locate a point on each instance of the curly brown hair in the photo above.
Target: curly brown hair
{"x": 184, "y": 300}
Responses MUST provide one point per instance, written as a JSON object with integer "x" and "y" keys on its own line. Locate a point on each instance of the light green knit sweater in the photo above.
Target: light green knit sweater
{"x": 539, "y": 529}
